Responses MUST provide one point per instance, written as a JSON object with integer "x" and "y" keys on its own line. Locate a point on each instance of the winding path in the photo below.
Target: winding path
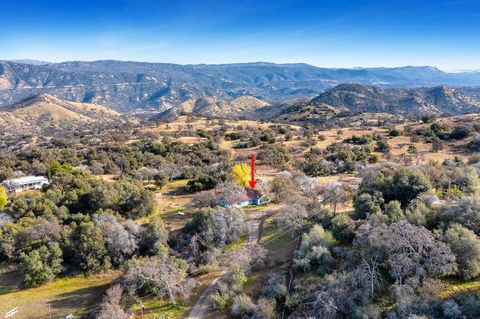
{"x": 201, "y": 307}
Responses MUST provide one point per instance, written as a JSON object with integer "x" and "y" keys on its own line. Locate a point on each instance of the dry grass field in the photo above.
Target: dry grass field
{"x": 398, "y": 145}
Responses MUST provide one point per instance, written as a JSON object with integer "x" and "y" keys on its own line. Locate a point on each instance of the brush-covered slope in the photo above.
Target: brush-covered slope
{"x": 308, "y": 112}
{"x": 363, "y": 98}
{"x": 244, "y": 106}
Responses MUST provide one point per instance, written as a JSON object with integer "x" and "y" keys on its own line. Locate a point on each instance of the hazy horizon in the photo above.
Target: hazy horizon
{"x": 340, "y": 34}
{"x": 26, "y": 60}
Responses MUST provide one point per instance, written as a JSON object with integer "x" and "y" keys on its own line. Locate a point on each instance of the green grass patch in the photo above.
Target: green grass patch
{"x": 177, "y": 184}
{"x": 174, "y": 210}
{"x": 387, "y": 304}
{"x": 172, "y": 217}
{"x": 161, "y": 309}
{"x": 237, "y": 244}
{"x": 272, "y": 235}
{"x": 172, "y": 214}
{"x": 256, "y": 208}
{"x": 456, "y": 285}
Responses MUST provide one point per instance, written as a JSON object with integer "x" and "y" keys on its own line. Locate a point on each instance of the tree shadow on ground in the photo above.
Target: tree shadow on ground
{"x": 10, "y": 280}
{"x": 84, "y": 298}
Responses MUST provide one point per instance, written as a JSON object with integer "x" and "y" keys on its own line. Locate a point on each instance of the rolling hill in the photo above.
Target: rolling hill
{"x": 43, "y": 112}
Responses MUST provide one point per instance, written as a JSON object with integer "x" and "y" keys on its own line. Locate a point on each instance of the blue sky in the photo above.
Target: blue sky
{"x": 340, "y": 33}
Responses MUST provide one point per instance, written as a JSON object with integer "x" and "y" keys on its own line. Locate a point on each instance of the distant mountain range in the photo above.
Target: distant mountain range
{"x": 156, "y": 87}
{"x": 31, "y": 61}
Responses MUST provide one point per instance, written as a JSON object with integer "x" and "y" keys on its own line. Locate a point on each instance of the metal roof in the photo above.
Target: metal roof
{"x": 27, "y": 180}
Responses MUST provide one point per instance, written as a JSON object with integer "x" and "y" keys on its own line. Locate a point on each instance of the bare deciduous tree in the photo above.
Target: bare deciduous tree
{"x": 111, "y": 308}
{"x": 120, "y": 243}
{"x": 291, "y": 218}
{"x": 334, "y": 194}
{"x": 246, "y": 257}
{"x": 410, "y": 252}
{"x": 369, "y": 274}
{"x": 165, "y": 275}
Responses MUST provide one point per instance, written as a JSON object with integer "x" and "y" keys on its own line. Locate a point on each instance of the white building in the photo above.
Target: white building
{"x": 18, "y": 185}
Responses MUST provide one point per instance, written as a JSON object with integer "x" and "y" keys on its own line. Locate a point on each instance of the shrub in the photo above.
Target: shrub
{"x": 343, "y": 228}
{"x": 242, "y": 307}
{"x": 407, "y": 184}
{"x": 201, "y": 183}
{"x": 273, "y": 155}
{"x": 382, "y": 146}
{"x": 393, "y": 210}
{"x": 275, "y": 287}
{"x": 233, "y": 136}
{"x": 466, "y": 247}
{"x": 268, "y": 137}
{"x": 161, "y": 180}
{"x": 3, "y": 197}
{"x": 217, "y": 227}
{"x": 366, "y": 204}
{"x": 460, "y": 132}
{"x": 238, "y": 278}
{"x": 437, "y": 144}
{"x": 41, "y": 265}
{"x": 314, "y": 254}
{"x": 266, "y": 308}
{"x": 474, "y": 144}
{"x": 394, "y": 132}
{"x": 439, "y": 130}
{"x": 469, "y": 303}
{"x": 158, "y": 149}
{"x": 451, "y": 309}
{"x": 427, "y": 118}
{"x": 219, "y": 300}
{"x": 465, "y": 212}
{"x": 359, "y": 140}
{"x": 318, "y": 168}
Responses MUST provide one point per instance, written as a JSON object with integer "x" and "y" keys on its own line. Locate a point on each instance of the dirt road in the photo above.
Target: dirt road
{"x": 201, "y": 307}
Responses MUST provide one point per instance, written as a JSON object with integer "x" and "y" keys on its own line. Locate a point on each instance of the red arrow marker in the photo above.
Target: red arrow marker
{"x": 252, "y": 170}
